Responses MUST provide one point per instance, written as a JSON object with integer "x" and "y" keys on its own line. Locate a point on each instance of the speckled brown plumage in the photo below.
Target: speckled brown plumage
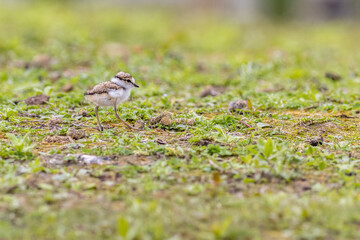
{"x": 123, "y": 76}
{"x": 103, "y": 87}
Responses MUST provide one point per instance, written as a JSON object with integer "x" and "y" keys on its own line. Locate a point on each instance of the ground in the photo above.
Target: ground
{"x": 284, "y": 167}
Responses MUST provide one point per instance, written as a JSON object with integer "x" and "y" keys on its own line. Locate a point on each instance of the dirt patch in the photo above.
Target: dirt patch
{"x": 344, "y": 116}
{"x": 325, "y": 127}
{"x": 37, "y": 100}
{"x": 165, "y": 119}
{"x": 30, "y": 115}
{"x": 204, "y": 142}
{"x": 56, "y": 139}
{"x": 83, "y": 113}
{"x": 54, "y": 121}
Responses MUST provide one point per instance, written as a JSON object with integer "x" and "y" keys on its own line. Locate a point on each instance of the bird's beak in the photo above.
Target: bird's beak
{"x": 135, "y": 85}
{"x": 133, "y": 82}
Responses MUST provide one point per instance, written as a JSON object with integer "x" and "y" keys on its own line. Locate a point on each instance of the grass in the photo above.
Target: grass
{"x": 215, "y": 179}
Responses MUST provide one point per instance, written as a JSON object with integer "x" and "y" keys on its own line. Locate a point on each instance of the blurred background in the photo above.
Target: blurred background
{"x": 244, "y": 10}
{"x": 165, "y": 42}
{"x": 247, "y": 10}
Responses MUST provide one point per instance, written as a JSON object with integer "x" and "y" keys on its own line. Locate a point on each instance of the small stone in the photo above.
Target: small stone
{"x": 204, "y": 142}
{"x": 333, "y": 76}
{"x": 54, "y": 76}
{"x": 209, "y": 91}
{"x": 160, "y": 141}
{"x": 238, "y": 105}
{"x": 82, "y": 113}
{"x": 165, "y": 121}
{"x": 166, "y": 114}
{"x": 316, "y": 142}
{"x": 37, "y": 100}
{"x": 75, "y": 134}
{"x": 54, "y": 121}
{"x": 200, "y": 67}
{"x": 191, "y": 122}
{"x": 323, "y": 89}
{"x": 139, "y": 124}
{"x": 153, "y": 121}
{"x": 350, "y": 174}
{"x": 67, "y": 87}
{"x": 157, "y": 119}
{"x": 183, "y": 121}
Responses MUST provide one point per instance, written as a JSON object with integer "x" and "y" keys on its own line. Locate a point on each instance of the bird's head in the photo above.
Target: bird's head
{"x": 124, "y": 79}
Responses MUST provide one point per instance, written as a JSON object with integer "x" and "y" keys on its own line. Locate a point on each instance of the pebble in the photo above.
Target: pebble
{"x": 139, "y": 124}
{"x": 238, "y": 105}
{"x": 209, "y": 91}
{"x": 165, "y": 121}
{"x": 67, "y": 87}
{"x": 75, "y": 134}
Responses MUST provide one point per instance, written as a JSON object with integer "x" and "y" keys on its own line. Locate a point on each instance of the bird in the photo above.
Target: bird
{"x": 111, "y": 94}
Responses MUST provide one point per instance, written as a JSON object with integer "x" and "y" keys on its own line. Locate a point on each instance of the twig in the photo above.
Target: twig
{"x": 81, "y": 125}
{"x": 27, "y": 121}
{"x": 245, "y": 124}
{"x": 214, "y": 165}
{"x": 130, "y": 162}
{"x": 311, "y": 107}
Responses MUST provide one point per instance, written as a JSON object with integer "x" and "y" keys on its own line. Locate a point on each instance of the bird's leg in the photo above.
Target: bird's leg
{"x": 97, "y": 117}
{"x": 126, "y": 124}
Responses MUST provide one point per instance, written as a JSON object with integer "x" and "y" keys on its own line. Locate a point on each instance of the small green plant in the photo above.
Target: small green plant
{"x": 47, "y": 90}
{"x": 22, "y": 146}
{"x": 6, "y": 113}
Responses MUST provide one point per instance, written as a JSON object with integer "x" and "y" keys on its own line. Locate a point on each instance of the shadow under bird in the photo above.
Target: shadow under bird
{"x": 111, "y": 94}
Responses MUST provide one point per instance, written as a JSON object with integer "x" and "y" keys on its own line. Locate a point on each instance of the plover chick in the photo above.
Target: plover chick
{"x": 111, "y": 94}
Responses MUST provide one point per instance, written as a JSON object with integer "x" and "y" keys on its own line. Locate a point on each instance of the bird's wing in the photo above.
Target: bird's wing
{"x": 104, "y": 87}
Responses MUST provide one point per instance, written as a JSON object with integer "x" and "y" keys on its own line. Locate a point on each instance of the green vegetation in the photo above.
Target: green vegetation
{"x": 292, "y": 173}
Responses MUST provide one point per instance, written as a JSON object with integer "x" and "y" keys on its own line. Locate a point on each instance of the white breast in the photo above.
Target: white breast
{"x": 120, "y": 95}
